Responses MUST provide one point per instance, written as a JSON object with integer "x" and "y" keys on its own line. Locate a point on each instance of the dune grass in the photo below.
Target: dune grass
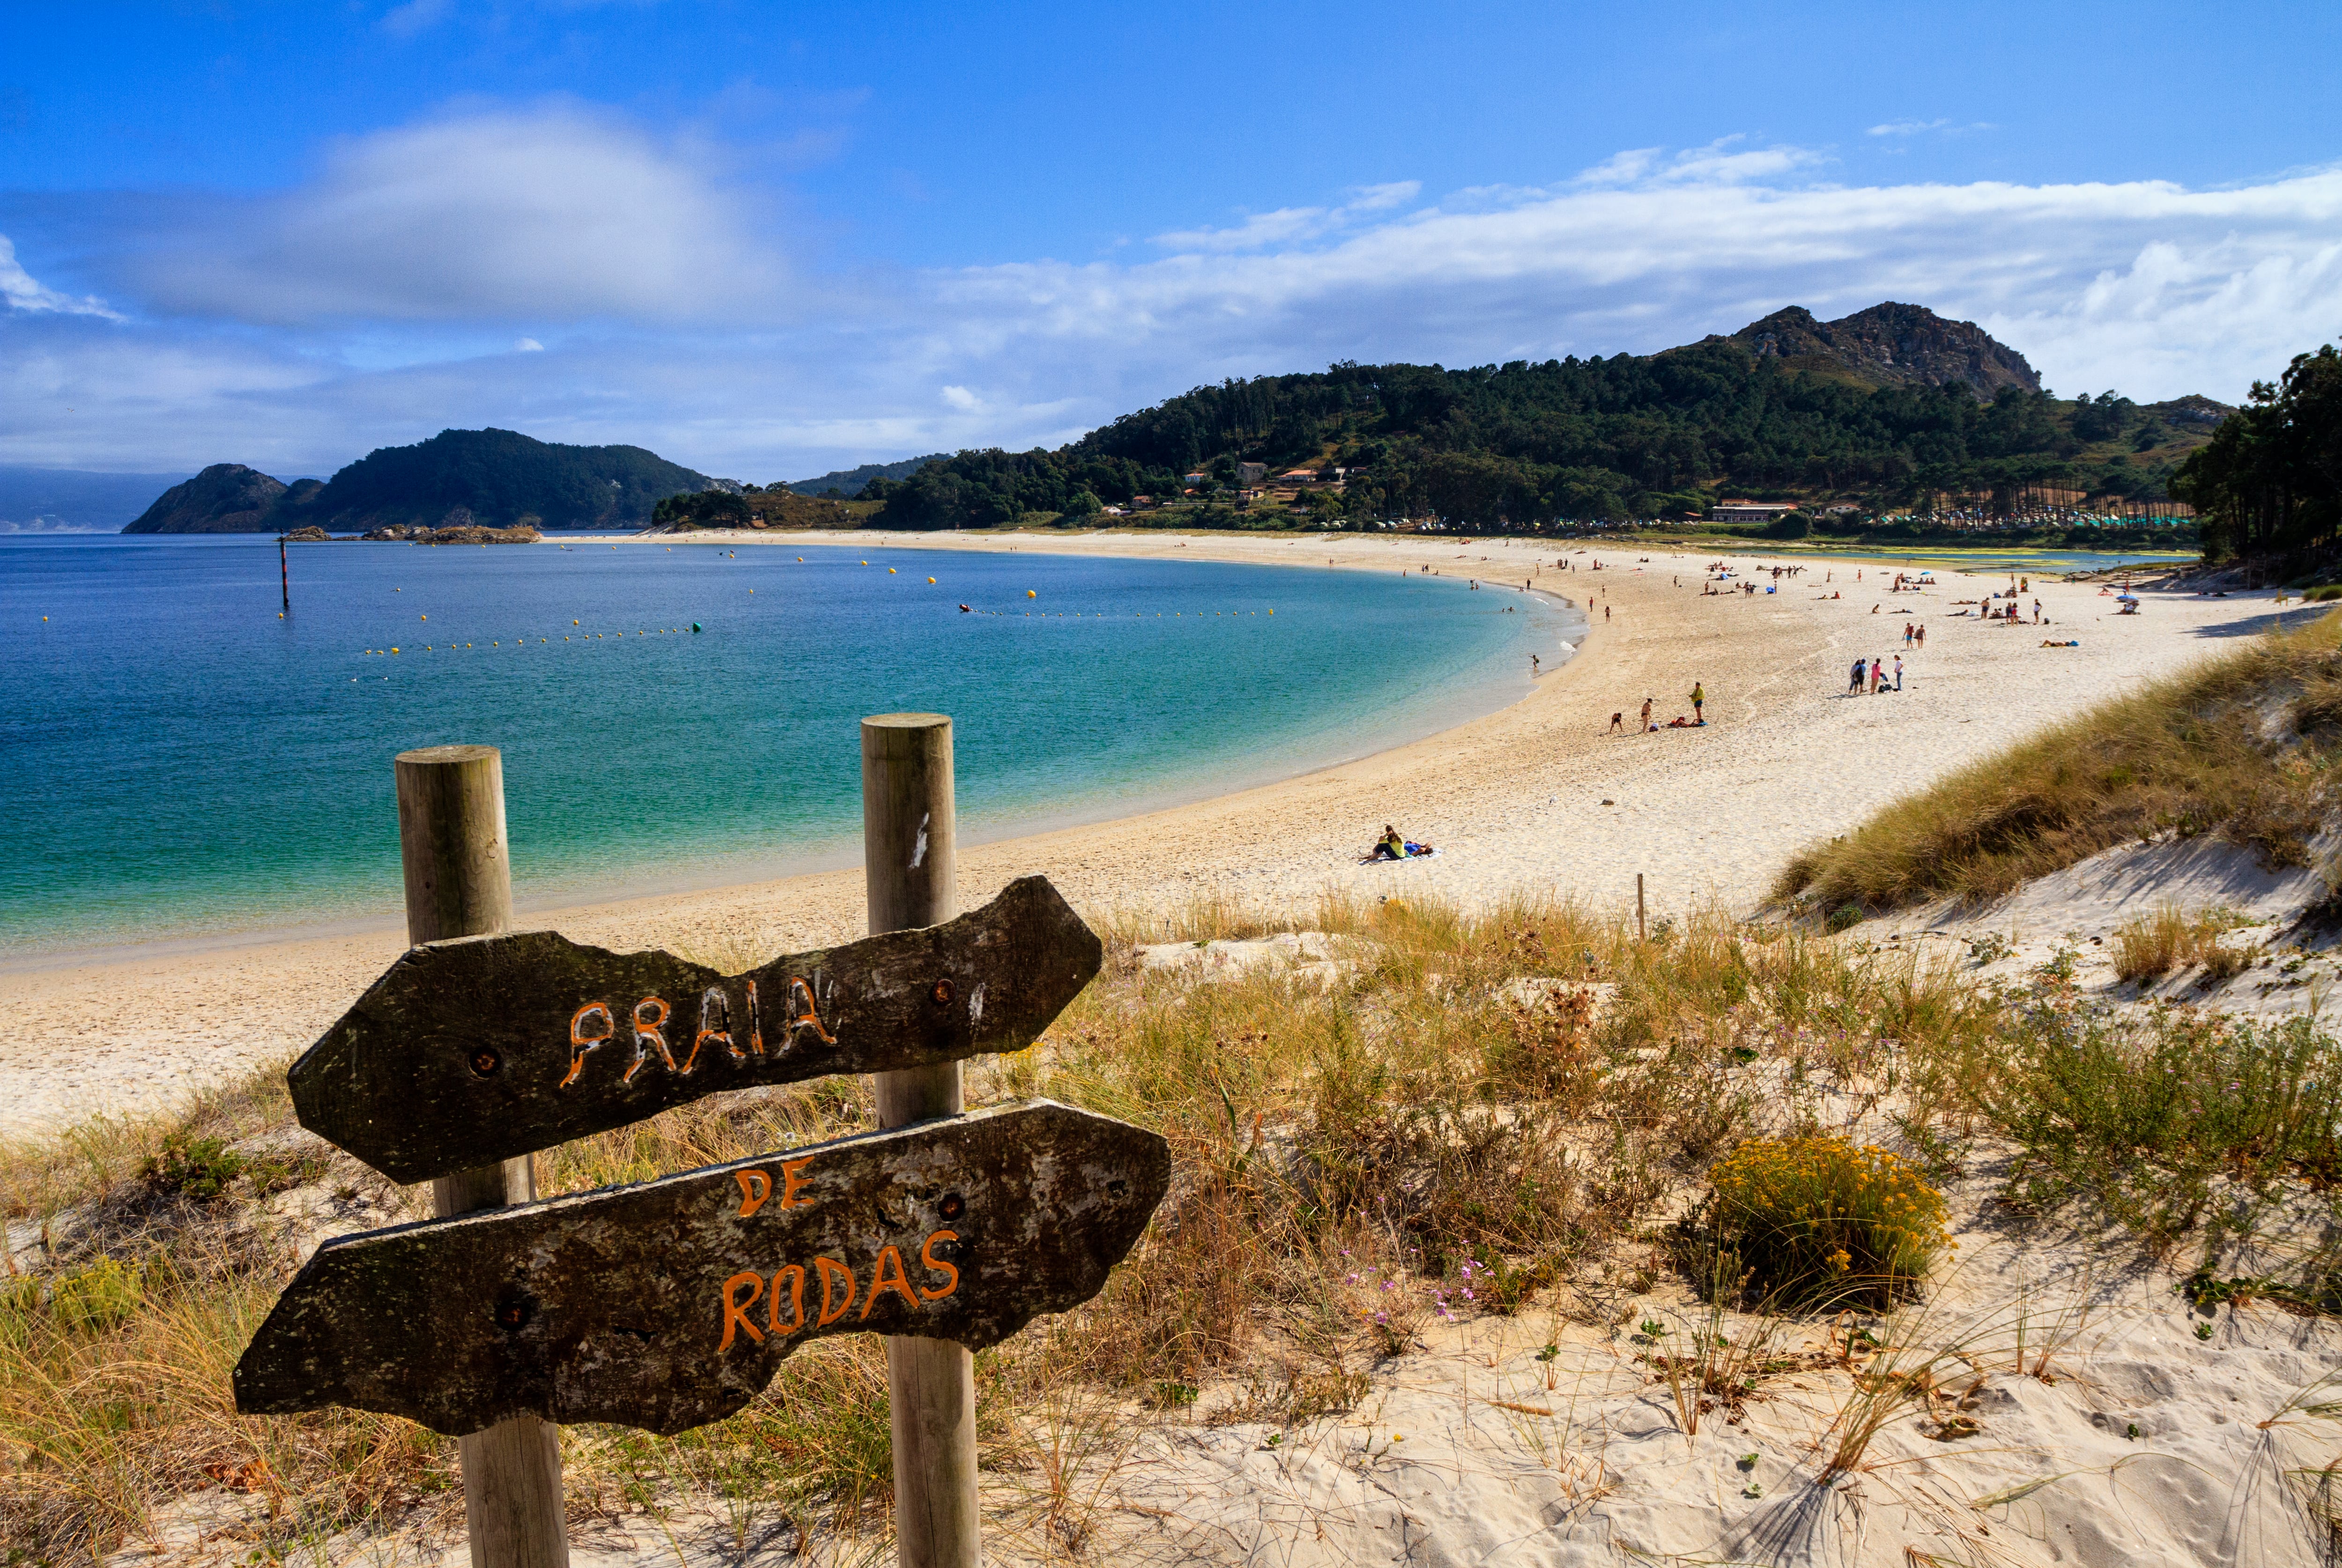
{"x": 2241, "y": 747}
{"x": 2168, "y": 938}
{"x": 1421, "y": 1138}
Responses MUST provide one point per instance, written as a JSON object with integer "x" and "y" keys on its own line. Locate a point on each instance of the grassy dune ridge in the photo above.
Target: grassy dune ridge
{"x": 1356, "y": 1154}
{"x": 2241, "y": 746}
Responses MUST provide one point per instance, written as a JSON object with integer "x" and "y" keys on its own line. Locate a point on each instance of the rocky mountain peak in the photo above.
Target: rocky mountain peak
{"x": 1892, "y": 344}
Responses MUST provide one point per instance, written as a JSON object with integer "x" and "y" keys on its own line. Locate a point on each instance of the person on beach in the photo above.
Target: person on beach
{"x": 1390, "y": 846}
{"x": 1898, "y": 672}
{"x": 1877, "y": 677}
{"x": 1617, "y": 722}
{"x": 1646, "y": 715}
{"x": 1920, "y": 635}
{"x": 1533, "y": 665}
{"x": 1853, "y": 681}
{"x": 1606, "y": 613}
{"x": 1698, "y": 702}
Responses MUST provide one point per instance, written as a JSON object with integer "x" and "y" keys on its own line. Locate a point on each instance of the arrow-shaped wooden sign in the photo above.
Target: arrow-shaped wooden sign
{"x": 669, "y": 1304}
{"x": 473, "y": 1051}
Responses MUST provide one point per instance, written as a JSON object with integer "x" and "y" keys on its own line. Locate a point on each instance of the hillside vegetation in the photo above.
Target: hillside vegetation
{"x": 2269, "y": 481}
{"x": 492, "y": 478}
{"x": 2242, "y": 747}
{"x": 1885, "y": 409}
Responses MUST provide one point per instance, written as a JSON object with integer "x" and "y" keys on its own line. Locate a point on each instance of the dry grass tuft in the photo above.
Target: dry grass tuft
{"x": 2154, "y": 944}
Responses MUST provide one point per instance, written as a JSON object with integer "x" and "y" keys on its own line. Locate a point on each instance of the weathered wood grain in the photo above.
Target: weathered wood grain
{"x": 473, "y": 1051}
{"x": 612, "y": 1305}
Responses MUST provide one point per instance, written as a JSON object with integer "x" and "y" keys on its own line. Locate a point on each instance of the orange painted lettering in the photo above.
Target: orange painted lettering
{"x": 715, "y": 1024}
{"x": 735, "y": 1311}
{"x": 831, "y": 1271}
{"x": 580, "y": 1041}
{"x": 807, "y": 1019}
{"x": 792, "y": 1179}
{"x": 940, "y": 1265}
{"x": 650, "y": 1019}
{"x": 794, "y": 1275}
{"x": 898, "y": 1282}
{"x": 755, "y": 1186}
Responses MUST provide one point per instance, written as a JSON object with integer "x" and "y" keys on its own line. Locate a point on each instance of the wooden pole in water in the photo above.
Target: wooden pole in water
{"x": 1640, "y": 935}
{"x": 451, "y": 840}
{"x": 911, "y": 873}
{"x": 284, "y": 573}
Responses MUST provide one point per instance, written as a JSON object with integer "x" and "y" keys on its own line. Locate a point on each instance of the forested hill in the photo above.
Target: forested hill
{"x": 495, "y": 477}
{"x": 1882, "y": 409}
{"x": 846, "y": 481}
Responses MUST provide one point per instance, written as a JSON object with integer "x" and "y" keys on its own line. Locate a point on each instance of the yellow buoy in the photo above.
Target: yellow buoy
{"x": 890, "y": 570}
{"x": 421, "y": 617}
{"x": 931, "y": 579}
{"x": 1030, "y": 594}
{"x": 573, "y": 623}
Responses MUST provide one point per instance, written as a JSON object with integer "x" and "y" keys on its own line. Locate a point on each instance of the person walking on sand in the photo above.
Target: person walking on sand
{"x": 1853, "y": 681}
{"x": 1698, "y": 701}
{"x": 1920, "y": 636}
{"x": 1606, "y": 613}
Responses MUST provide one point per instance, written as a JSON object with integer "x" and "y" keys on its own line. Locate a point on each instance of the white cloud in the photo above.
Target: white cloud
{"x": 527, "y": 345}
{"x": 20, "y": 291}
{"x": 1904, "y": 130}
{"x": 2147, "y": 286}
{"x": 555, "y": 213}
{"x": 415, "y": 16}
{"x": 1290, "y": 224}
{"x": 1652, "y": 249}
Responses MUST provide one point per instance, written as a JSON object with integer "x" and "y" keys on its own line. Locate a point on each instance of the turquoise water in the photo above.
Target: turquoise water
{"x": 180, "y": 762}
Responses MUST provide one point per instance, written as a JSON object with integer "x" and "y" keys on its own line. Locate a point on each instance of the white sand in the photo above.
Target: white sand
{"x": 1514, "y": 800}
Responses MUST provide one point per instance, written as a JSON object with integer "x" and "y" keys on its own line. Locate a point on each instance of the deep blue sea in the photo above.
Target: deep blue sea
{"x": 178, "y": 761}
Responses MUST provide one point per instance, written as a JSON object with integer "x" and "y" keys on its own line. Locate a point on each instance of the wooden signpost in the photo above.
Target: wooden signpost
{"x": 670, "y": 1304}
{"x": 487, "y": 1048}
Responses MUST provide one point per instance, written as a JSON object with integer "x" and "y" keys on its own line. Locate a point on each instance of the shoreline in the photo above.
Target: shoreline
{"x": 1478, "y": 696}
{"x": 1534, "y": 799}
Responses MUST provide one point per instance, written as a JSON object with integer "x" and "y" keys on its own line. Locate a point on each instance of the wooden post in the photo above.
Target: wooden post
{"x": 910, "y": 870}
{"x": 285, "y": 571}
{"x": 1640, "y": 935}
{"x": 451, "y": 841}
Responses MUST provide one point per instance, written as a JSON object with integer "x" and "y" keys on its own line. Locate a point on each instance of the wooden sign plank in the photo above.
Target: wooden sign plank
{"x": 670, "y": 1304}
{"x": 473, "y": 1051}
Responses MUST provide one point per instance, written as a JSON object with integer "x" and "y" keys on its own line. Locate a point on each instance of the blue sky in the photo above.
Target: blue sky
{"x": 768, "y": 240}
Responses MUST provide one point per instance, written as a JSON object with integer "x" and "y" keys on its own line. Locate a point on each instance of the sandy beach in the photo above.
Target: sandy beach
{"x": 1536, "y": 799}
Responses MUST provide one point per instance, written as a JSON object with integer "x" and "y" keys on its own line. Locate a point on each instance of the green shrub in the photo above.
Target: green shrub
{"x": 1843, "y": 917}
{"x": 1812, "y": 1220}
{"x": 2330, "y": 591}
{"x": 198, "y": 1168}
